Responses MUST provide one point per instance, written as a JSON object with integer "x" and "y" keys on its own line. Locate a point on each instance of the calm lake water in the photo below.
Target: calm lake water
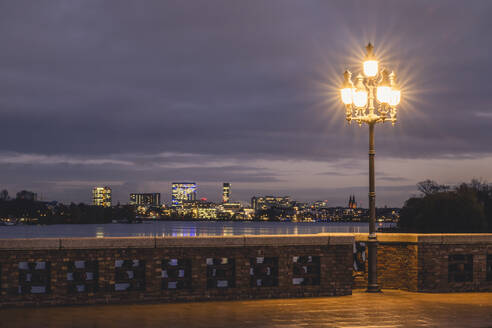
{"x": 179, "y": 228}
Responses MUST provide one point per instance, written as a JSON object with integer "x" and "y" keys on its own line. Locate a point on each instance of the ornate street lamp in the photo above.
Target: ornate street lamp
{"x": 371, "y": 100}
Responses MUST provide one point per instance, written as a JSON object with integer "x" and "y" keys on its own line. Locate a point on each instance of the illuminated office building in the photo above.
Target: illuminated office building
{"x": 318, "y": 204}
{"x": 101, "y": 196}
{"x": 146, "y": 199}
{"x": 182, "y": 191}
{"x": 226, "y": 192}
{"x": 266, "y": 202}
{"x": 230, "y": 209}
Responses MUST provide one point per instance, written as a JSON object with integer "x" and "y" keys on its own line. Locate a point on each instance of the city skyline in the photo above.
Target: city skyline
{"x": 175, "y": 96}
{"x": 148, "y": 198}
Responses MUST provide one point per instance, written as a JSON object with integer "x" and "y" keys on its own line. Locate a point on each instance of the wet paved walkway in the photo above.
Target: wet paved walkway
{"x": 389, "y": 309}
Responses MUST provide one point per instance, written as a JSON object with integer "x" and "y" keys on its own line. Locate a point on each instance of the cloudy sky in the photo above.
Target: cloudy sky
{"x": 137, "y": 94}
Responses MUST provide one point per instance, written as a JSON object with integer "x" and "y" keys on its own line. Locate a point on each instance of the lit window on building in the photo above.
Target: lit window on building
{"x": 226, "y": 192}
{"x": 145, "y": 199}
{"x": 182, "y": 191}
{"x": 101, "y": 196}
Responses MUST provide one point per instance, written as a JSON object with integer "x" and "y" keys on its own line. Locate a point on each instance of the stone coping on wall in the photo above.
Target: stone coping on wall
{"x": 239, "y": 241}
{"x": 163, "y": 242}
{"x": 431, "y": 238}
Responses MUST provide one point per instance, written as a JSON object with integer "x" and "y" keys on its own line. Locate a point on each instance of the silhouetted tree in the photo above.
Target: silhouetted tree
{"x": 484, "y": 195}
{"x": 45, "y": 213}
{"x": 4, "y": 195}
{"x": 428, "y": 187}
{"x": 22, "y": 208}
{"x": 460, "y": 210}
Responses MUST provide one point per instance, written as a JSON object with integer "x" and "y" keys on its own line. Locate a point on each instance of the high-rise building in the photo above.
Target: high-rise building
{"x": 226, "y": 192}
{"x": 181, "y": 191}
{"x": 101, "y": 196}
{"x": 146, "y": 199}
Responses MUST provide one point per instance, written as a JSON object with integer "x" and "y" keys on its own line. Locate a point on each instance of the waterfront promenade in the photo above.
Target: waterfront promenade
{"x": 391, "y": 308}
{"x": 130, "y": 270}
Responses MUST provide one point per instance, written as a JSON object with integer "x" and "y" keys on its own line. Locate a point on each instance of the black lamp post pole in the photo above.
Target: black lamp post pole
{"x": 372, "y": 242}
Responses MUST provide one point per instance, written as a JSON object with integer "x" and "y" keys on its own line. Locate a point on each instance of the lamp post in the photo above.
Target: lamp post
{"x": 371, "y": 100}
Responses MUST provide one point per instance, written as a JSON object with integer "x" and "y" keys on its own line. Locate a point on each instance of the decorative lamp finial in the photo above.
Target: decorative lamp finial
{"x": 370, "y": 50}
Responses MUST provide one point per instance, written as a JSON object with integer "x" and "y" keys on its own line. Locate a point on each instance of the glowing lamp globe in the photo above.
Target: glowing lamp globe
{"x": 370, "y": 64}
{"x": 371, "y": 68}
{"x": 395, "y": 96}
{"x": 360, "y": 98}
{"x": 347, "y": 95}
{"x": 347, "y": 88}
{"x": 384, "y": 94}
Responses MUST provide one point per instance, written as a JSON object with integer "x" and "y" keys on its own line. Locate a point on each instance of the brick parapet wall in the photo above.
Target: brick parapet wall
{"x": 397, "y": 267}
{"x": 434, "y": 267}
{"x": 334, "y": 252}
{"x": 420, "y": 262}
{"x": 414, "y": 262}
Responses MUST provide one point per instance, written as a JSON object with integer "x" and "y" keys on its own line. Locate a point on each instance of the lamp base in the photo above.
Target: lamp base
{"x": 373, "y": 288}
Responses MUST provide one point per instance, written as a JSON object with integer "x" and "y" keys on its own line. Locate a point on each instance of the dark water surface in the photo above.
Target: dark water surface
{"x": 178, "y": 228}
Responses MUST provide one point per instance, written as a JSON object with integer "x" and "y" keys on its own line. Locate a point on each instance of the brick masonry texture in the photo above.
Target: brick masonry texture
{"x": 413, "y": 262}
{"x": 433, "y": 268}
{"x": 335, "y": 269}
{"x": 421, "y": 262}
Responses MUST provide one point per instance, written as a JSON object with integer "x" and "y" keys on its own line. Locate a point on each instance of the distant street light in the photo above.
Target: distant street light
{"x": 361, "y": 106}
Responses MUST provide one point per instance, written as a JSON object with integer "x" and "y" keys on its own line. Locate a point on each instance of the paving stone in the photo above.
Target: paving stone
{"x": 389, "y": 309}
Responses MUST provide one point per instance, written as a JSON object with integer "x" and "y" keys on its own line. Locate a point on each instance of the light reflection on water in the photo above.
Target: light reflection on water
{"x": 99, "y": 232}
{"x": 179, "y": 229}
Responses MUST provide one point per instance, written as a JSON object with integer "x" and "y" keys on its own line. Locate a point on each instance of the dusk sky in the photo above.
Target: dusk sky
{"x": 138, "y": 94}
